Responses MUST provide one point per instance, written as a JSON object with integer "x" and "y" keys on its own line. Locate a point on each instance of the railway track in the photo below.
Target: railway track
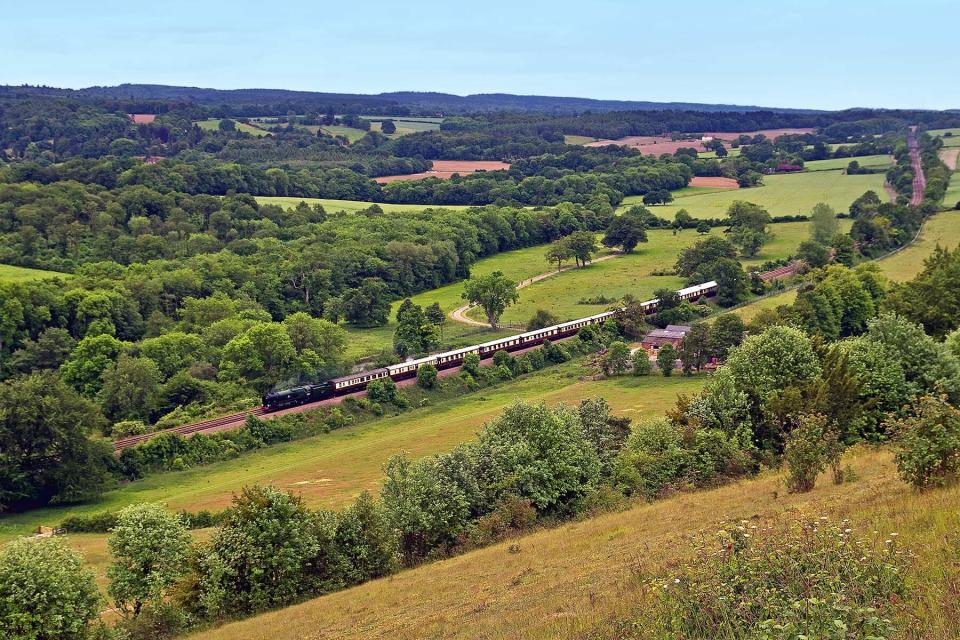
{"x": 919, "y": 179}
{"x": 234, "y": 420}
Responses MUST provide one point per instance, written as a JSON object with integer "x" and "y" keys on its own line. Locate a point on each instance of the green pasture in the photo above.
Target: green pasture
{"x": 578, "y": 139}
{"x": 942, "y": 229}
{"x": 785, "y": 194}
{"x": 351, "y": 134}
{"x": 212, "y": 124}
{"x": 10, "y": 273}
{"x": 731, "y": 152}
{"x": 632, "y": 273}
{"x": 953, "y": 140}
{"x": 879, "y": 160}
{"x": 952, "y": 196}
{"x": 350, "y": 206}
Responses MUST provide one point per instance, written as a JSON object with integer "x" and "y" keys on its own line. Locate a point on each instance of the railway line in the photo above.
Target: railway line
{"x": 919, "y": 179}
{"x": 236, "y": 420}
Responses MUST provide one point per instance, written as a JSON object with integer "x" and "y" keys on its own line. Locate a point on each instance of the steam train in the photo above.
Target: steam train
{"x": 295, "y": 396}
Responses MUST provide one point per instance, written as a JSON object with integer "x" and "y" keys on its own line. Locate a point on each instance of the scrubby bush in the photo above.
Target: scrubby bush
{"x": 811, "y": 580}
{"x": 616, "y": 360}
{"x": 641, "y": 363}
{"x": 45, "y": 592}
{"x": 667, "y": 359}
{"x": 385, "y": 391}
{"x": 805, "y": 453}
{"x": 471, "y": 364}
{"x": 928, "y": 443}
{"x": 427, "y": 376}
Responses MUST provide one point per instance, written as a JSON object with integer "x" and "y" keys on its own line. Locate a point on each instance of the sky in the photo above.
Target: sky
{"x": 811, "y": 54}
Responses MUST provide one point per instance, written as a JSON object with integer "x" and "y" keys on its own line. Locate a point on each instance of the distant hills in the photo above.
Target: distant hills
{"x": 400, "y": 101}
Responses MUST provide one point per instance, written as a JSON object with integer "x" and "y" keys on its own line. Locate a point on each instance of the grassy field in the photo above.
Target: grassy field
{"x": 578, "y": 139}
{"x": 10, "y": 273}
{"x": 952, "y": 197}
{"x": 880, "y": 160}
{"x": 351, "y": 134}
{"x": 713, "y": 154}
{"x": 350, "y": 206}
{"x": 213, "y": 123}
{"x": 632, "y": 273}
{"x": 781, "y": 195}
{"x": 942, "y": 229}
{"x": 406, "y": 125}
{"x": 949, "y": 141}
{"x": 566, "y": 581}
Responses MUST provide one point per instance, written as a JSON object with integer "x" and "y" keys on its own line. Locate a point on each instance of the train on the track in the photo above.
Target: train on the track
{"x": 304, "y": 394}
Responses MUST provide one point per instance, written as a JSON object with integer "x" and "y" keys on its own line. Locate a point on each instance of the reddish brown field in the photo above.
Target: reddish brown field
{"x": 142, "y": 118}
{"x": 716, "y": 182}
{"x": 770, "y": 133}
{"x": 655, "y": 145}
{"x": 445, "y": 169}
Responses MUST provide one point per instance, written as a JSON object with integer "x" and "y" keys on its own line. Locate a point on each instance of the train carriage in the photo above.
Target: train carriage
{"x": 358, "y": 381}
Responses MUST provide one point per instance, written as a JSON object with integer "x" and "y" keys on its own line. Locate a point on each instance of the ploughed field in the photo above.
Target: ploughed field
{"x": 445, "y": 169}
{"x": 655, "y": 145}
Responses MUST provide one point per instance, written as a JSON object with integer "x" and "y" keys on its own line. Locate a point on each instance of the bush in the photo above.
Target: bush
{"x": 811, "y": 580}
{"x": 928, "y": 443}
{"x": 385, "y": 391}
{"x": 45, "y": 591}
{"x": 471, "y": 364}
{"x": 641, "y": 363}
{"x": 427, "y": 376}
{"x": 502, "y": 359}
{"x": 805, "y": 453}
{"x": 667, "y": 359}
{"x": 95, "y": 523}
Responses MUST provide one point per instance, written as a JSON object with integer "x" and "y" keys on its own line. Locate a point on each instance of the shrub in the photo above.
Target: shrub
{"x": 95, "y": 523}
{"x": 45, "y": 591}
{"x": 617, "y": 359}
{"x": 928, "y": 443}
{"x": 502, "y": 358}
{"x": 810, "y": 580}
{"x": 806, "y": 452}
{"x": 427, "y": 376}
{"x": 471, "y": 364}
{"x": 385, "y": 391}
{"x": 667, "y": 359}
{"x": 641, "y": 363}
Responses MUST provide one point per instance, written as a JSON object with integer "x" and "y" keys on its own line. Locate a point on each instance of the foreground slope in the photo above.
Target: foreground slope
{"x": 565, "y": 581}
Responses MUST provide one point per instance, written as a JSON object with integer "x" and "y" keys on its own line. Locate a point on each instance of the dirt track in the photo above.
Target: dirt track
{"x": 460, "y": 314}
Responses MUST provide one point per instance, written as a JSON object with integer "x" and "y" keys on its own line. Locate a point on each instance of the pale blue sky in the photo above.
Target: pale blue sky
{"x": 811, "y": 53}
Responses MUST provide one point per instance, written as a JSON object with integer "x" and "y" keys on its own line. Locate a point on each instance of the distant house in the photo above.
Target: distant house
{"x": 673, "y": 335}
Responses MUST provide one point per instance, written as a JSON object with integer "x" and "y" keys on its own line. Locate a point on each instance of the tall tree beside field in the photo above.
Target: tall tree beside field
{"x": 47, "y": 453}
{"x": 388, "y": 127}
{"x": 583, "y": 244}
{"x": 492, "y": 293}
{"x": 626, "y": 231}
{"x": 823, "y": 223}
{"x": 558, "y": 252}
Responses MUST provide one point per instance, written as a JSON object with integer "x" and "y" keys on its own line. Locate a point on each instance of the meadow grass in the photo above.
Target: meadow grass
{"x": 785, "y": 194}
{"x": 941, "y": 229}
{"x": 572, "y": 580}
{"x": 212, "y": 124}
{"x": 350, "y": 206}
{"x": 578, "y": 139}
{"x": 952, "y": 197}
{"x": 351, "y": 134}
{"x": 952, "y": 140}
{"x": 10, "y": 273}
{"x": 632, "y": 273}
{"x": 880, "y": 160}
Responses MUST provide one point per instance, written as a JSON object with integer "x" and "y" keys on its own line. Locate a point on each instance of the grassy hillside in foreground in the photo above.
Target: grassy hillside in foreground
{"x": 943, "y": 229}
{"x": 10, "y": 273}
{"x": 566, "y": 581}
{"x": 781, "y": 195}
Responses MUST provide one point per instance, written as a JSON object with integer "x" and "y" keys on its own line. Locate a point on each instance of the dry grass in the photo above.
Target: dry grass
{"x": 563, "y": 581}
